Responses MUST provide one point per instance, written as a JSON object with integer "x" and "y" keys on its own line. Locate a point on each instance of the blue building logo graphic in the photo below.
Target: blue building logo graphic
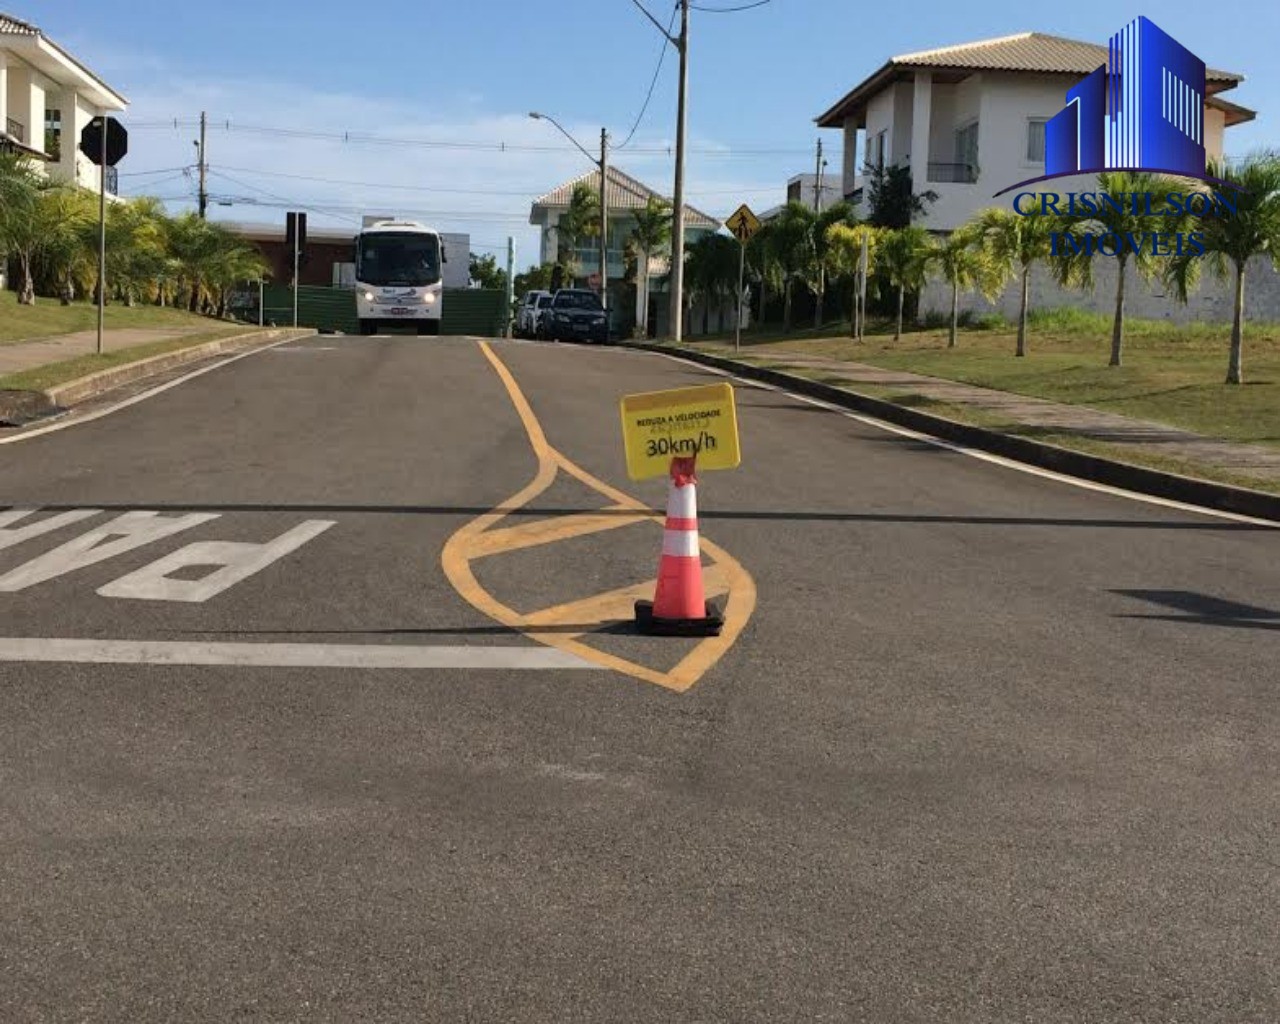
{"x": 1142, "y": 110}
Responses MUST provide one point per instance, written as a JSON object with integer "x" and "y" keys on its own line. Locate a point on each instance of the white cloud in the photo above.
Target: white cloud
{"x": 480, "y": 189}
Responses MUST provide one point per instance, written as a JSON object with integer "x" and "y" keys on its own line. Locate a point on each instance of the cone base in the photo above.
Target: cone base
{"x": 648, "y": 624}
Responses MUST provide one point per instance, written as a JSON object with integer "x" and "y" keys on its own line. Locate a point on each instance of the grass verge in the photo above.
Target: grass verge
{"x": 44, "y": 377}
{"x": 49, "y": 318}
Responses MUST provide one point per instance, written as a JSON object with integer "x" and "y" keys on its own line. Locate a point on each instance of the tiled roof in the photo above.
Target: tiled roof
{"x": 1031, "y": 52}
{"x": 1026, "y": 51}
{"x": 625, "y": 193}
{"x": 11, "y": 26}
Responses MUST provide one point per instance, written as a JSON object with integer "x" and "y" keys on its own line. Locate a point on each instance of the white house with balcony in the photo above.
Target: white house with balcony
{"x": 625, "y": 196}
{"x": 969, "y": 119}
{"x": 46, "y": 98}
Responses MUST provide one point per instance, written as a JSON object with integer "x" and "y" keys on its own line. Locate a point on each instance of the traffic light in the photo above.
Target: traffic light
{"x": 295, "y": 227}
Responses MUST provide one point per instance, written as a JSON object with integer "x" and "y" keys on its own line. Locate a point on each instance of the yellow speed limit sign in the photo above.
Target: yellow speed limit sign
{"x": 659, "y": 426}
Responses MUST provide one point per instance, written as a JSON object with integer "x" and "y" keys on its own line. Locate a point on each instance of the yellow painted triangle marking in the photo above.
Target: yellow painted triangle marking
{"x": 548, "y": 531}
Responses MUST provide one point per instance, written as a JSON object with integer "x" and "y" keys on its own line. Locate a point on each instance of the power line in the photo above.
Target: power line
{"x": 366, "y": 138}
{"x": 662, "y": 56}
{"x": 729, "y": 10}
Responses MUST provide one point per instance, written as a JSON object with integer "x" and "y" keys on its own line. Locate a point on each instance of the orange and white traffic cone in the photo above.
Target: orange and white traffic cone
{"x": 679, "y": 606}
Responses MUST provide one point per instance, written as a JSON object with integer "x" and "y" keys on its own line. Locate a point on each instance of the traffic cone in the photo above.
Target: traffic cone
{"x": 679, "y": 606}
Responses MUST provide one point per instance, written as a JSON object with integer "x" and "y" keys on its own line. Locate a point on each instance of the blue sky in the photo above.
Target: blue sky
{"x": 431, "y": 70}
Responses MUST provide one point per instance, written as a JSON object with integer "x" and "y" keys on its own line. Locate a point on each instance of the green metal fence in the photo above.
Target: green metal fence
{"x": 466, "y": 310}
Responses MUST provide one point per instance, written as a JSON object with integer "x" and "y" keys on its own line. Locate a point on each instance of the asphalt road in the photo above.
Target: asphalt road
{"x": 989, "y": 747}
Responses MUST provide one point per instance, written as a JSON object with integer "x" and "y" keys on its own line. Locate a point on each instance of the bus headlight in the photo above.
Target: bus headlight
{"x": 368, "y": 296}
{"x": 429, "y": 298}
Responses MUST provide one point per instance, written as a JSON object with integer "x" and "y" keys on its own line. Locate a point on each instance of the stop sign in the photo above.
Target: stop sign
{"x": 117, "y": 141}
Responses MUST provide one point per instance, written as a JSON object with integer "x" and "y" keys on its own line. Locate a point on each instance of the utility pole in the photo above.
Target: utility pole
{"x": 204, "y": 192}
{"x": 604, "y": 224}
{"x": 677, "y": 227}
{"x": 817, "y": 181}
{"x": 511, "y": 280}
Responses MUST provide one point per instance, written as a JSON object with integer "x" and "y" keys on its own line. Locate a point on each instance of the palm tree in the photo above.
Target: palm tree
{"x": 1015, "y": 243}
{"x": 26, "y": 218}
{"x": 837, "y": 213}
{"x": 903, "y": 258}
{"x": 652, "y": 232}
{"x": 844, "y": 243}
{"x": 581, "y": 220}
{"x": 763, "y": 266}
{"x": 791, "y": 243}
{"x": 1072, "y": 268}
{"x": 1231, "y": 238}
{"x": 70, "y": 255}
{"x": 961, "y": 262}
{"x": 712, "y": 272}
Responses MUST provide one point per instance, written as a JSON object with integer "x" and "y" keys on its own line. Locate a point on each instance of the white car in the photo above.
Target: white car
{"x": 530, "y": 312}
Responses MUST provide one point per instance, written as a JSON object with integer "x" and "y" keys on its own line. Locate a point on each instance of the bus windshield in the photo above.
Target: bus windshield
{"x": 398, "y": 259}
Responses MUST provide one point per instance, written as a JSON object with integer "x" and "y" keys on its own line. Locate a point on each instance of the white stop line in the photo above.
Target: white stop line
{"x": 332, "y": 656}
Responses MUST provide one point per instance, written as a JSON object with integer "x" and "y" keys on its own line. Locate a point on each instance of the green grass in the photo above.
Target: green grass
{"x": 48, "y": 318}
{"x": 1172, "y": 374}
{"x": 44, "y": 377}
{"x": 1135, "y": 454}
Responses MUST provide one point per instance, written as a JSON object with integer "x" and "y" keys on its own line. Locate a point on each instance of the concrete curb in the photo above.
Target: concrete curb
{"x": 1189, "y": 490}
{"x": 76, "y": 391}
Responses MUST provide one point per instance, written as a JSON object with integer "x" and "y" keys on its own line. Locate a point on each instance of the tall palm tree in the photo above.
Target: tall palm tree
{"x": 763, "y": 266}
{"x": 844, "y": 243}
{"x": 26, "y": 218}
{"x": 1230, "y": 239}
{"x": 651, "y": 233}
{"x": 837, "y": 213}
{"x": 791, "y": 241}
{"x": 712, "y": 272}
{"x": 581, "y": 220}
{"x": 1015, "y": 244}
{"x": 1071, "y": 268}
{"x": 902, "y": 258}
{"x": 961, "y": 262}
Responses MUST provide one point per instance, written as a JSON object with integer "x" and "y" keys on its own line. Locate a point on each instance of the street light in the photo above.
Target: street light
{"x": 603, "y": 165}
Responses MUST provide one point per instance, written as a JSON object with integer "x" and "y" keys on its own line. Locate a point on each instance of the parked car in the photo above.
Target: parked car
{"x": 575, "y": 314}
{"x": 530, "y": 310}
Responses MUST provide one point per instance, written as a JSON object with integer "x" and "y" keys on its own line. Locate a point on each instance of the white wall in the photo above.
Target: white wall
{"x": 1215, "y": 124}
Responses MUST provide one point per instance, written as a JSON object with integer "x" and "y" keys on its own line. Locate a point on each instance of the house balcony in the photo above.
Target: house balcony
{"x": 16, "y": 130}
{"x": 953, "y": 173}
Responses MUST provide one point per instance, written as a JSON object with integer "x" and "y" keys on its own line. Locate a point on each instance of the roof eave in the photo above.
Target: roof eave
{"x": 835, "y": 115}
{"x": 88, "y": 84}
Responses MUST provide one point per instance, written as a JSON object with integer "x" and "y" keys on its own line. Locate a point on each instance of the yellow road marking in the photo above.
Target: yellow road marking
{"x": 548, "y": 531}
{"x": 617, "y": 605}
{"x": 470, "y": 542}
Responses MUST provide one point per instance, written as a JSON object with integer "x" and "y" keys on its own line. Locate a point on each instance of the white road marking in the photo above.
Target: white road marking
{"x": 75, "y": 421}
{"x": 975, "y": 453}
{"x": 320, "y": 656}
{"x": 236, "y": 562}
{"x": 11, "y": 535}
{"x": 131, "y": 530}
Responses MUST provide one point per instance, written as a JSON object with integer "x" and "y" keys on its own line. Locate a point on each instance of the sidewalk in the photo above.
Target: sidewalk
{"x": 1255, "y": 461}
{"x": 17, "y": 356}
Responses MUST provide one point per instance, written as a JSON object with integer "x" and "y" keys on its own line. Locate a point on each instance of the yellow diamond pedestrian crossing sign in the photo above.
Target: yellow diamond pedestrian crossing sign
{"x": 743, "y": 223}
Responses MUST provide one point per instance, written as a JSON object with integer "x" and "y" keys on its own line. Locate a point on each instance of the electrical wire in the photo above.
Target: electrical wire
{"x": 662, "y": 56}
{"x": 729, "y": 10}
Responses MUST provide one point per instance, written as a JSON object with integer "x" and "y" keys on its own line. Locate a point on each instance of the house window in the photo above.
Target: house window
{"x": 1035, "y": 140}
{"x": 967, "y": 152}
{"x": 53, "y": 133}
{"x": 878, "y": 150}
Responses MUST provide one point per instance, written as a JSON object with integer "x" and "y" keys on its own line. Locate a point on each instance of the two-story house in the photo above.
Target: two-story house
{"x": 46, "y": 99}
{"x": 625, "y": 196}
{"x": 969, "y": 119}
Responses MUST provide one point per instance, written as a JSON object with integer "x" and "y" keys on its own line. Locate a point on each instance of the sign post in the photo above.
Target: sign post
{"x": 105, "y": 142}
{"x": 295, "y": 234}
{"x": 743, "y": 223}
{"x": 675, "y": 433}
